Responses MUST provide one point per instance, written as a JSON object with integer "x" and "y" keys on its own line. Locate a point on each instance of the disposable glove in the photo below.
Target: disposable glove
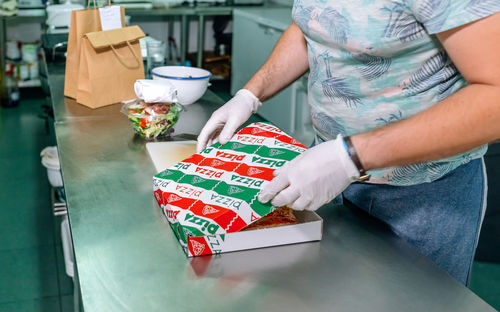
{"x": 224, "y": 121}
{"x": 313, "y": 178}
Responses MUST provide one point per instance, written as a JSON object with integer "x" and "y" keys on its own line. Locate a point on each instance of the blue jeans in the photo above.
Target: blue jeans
{"x": 441, "y": 219}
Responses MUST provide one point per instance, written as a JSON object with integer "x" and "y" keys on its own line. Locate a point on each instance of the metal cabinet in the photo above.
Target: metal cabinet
{"x": 255, "y": 33}
{"x": 488, "y": 248}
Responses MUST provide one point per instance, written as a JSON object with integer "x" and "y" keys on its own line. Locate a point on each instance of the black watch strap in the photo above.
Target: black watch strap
{"x": 363, "y": 176}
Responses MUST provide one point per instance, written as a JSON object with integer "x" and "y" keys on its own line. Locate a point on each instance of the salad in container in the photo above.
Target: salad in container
{"x": 152, "y": 120}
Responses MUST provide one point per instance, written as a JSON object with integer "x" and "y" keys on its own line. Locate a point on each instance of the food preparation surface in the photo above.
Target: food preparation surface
{"x": 128, "y": 259}
{"x": 166, "y": 154}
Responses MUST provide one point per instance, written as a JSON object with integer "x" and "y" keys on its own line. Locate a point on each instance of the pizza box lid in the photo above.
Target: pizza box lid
{"x": 215, "y": 192}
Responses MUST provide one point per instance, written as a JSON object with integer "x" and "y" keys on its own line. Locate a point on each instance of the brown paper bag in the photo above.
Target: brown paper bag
{"x": 82, "y": 22}
{"x": 110, "y": 63}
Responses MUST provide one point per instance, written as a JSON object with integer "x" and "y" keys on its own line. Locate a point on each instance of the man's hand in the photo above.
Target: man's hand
{"x": 224, "y": 121}
{"x": 287, "y": 62}
{"x": 313, "y": 178}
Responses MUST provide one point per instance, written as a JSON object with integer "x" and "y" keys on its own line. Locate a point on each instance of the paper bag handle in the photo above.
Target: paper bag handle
{"x": 94, "y": 1}
{"x": 121, "y": 60}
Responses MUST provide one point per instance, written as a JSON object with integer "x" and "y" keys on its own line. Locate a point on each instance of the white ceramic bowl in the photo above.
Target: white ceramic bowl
{"x": 190, "y": 82}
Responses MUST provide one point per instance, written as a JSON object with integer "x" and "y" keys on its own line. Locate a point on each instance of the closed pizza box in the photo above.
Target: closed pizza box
{"x": 209, "y": 197}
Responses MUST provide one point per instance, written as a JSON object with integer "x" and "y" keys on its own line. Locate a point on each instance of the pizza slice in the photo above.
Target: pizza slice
{"x": 278, "y": 217}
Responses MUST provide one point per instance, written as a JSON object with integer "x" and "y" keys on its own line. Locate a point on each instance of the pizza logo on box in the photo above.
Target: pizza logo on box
{"x": 275, "y": 152}
{"x": 253, "y": 218}
{"x": 257, "y": 130}
{"x": 209, "y": 210}
{"x": 216, "y": 163}
{"x": 236, "y": 146}
{"x": 197, "y": 179}
{"x": 173, "y": 198}
{"x": 253, "y": 171}
{"x": 198, "y": 248}
{"x": 234, "y": 190}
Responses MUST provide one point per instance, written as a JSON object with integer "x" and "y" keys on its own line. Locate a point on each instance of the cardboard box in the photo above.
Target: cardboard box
{"x": 256, "y": 261}
{"x": 209, "y": 197}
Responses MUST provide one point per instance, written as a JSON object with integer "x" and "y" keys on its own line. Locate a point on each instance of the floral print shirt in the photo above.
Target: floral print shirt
{"x": 374, "y": 62}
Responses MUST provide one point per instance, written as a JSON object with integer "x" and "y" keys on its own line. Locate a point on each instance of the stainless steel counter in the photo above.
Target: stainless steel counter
{"x": 128, "y": 259}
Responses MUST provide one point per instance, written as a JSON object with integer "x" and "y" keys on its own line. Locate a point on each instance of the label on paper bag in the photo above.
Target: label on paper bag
{"x": 111, "y": 17}
{"x": 215, "y": 192}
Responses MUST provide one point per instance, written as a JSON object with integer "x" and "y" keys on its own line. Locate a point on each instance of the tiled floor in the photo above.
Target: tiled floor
{"x": 32, "y": 276}
{"x": 486, "y": 282}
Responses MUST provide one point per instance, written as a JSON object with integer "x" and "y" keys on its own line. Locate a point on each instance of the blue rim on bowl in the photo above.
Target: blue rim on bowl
{"x": 180, "y": 78}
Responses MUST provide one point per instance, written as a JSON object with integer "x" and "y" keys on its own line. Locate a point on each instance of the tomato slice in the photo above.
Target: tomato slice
{"x": 144, "y": 122}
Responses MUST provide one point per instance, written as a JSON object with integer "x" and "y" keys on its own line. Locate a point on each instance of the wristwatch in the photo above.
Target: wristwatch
{"x": 363, "y": 176}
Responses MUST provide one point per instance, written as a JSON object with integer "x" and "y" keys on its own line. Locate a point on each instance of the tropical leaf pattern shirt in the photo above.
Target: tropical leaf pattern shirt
{"x": 373, "y": 62}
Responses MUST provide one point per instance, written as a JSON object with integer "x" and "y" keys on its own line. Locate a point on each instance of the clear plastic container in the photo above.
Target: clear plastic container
{"x": 152, "y": 120}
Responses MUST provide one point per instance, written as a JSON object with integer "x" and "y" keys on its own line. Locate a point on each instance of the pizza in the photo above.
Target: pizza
{"x": 278, "y": 217}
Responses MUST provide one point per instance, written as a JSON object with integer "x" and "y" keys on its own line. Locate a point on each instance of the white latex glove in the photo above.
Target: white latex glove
{"x": 224, "y": 121}
{"x": 313, "y": 178}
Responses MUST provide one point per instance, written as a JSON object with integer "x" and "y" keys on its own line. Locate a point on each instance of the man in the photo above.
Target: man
{"x": 407, "y": 91}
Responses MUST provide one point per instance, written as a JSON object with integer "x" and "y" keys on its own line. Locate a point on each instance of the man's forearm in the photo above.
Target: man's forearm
{"x": 287, "y": 62}
{"x": 467, "y": 119}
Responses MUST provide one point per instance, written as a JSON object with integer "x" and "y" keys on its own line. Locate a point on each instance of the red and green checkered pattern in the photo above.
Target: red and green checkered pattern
{"x": 215, "y": 192}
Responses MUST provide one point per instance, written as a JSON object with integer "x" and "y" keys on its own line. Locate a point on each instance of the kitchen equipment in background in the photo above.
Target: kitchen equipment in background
{"x": 12, "y": 89}
{"x": 134, "y": 4}
{"x": 59, "y": 16}
{"x": 67, "y": 245}
{"x": 55, "y": 46}
{"x": 190, "y": 82}
{"x": 128, "y": 18}
{"x": 222, "y": 34}
{"x": 173, "y": 53}
{"x": 21, "y": 69}
{"x": 22, "y": 63}
{"x": 29, "y": 52}
{"x": 143, "y": 42}
{"x": 156, "y": 55}
{"x": 31, "y": 4}
{"x": 247, "y": 2}
{"x": 163, "y": 4}
{"x": 9, "y": 7}
{"x": 218, "y": 65}
{"x": 50, "y": 160}
{"x": 256, "y": 32}
{"x": 206, "y": 2}
{"x": 13, "y": 50}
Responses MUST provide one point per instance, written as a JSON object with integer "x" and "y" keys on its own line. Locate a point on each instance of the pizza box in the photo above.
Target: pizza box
{"x": 308, "y": 228}
{"x": 209, "y": 197}
{"x": 258, "y": 261}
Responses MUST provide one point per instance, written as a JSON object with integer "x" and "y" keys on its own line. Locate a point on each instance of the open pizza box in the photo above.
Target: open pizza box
{"x": 257, "y": 262}
{"x": 209, "y": 197}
